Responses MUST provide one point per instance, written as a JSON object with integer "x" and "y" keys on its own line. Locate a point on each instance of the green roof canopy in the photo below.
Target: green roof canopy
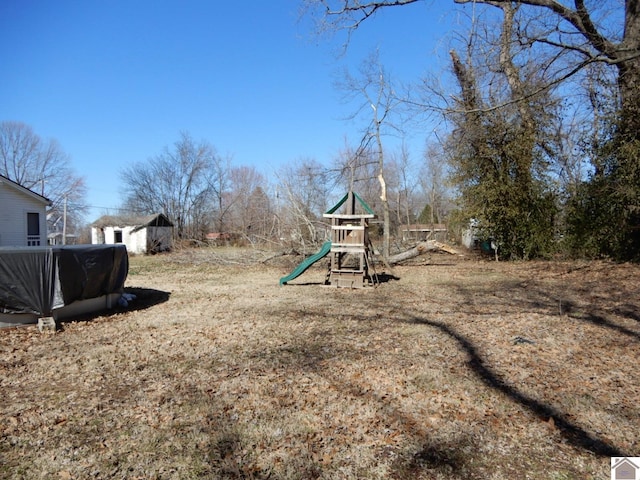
{"x": 364, "y": 205}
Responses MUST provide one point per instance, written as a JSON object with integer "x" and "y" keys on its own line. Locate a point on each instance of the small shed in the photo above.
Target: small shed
{"x": 23, "y": 215}
{"x": 140, "y": 234}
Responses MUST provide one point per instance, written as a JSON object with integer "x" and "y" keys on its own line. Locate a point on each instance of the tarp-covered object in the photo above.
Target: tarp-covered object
{"x": 39, "y": 280}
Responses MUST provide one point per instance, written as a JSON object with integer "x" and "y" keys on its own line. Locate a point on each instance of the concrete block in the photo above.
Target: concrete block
{"x": 47, "y": 324}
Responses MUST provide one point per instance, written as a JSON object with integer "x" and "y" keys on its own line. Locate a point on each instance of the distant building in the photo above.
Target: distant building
{"x": 140, "y": 234}
{"x": 56, "y": 231}
{"x": 218, "y": 238}
{"x": 470, "y": 237}
{"x": 422, "y": 232}
{"x": 23, "y": 216}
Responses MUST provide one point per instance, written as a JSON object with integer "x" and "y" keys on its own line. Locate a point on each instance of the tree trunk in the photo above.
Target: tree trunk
{"x": 629, "y": 76}
{"x": 386, "y": 231}
{"x": 421, "y": 249}
{"x": 629, "y": 70}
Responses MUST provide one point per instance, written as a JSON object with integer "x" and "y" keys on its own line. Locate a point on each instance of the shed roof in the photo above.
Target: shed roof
{"x": 138, "y": 221}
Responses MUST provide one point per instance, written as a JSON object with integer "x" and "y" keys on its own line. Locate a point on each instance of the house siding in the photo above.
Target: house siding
{"x": 128, "y": 239}
{"x": 137, "y": 241}
{"x": 14, "y": 207}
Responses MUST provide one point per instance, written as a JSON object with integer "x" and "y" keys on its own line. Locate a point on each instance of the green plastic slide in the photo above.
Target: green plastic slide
{"x": 306, "y": 263}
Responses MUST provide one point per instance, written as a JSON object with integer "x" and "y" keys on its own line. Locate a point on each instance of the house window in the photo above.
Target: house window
{"x": 33, "y": 229}
{"x": 117, "y": 236}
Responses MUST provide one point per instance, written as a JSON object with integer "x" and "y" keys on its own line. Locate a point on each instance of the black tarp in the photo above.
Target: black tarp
{"x": 38, "y": 280}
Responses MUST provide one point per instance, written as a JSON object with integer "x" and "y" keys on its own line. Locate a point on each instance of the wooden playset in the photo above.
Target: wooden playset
{"x": 351, "y": 253}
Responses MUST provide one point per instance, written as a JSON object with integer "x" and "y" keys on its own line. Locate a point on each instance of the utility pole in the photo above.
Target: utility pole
{"x": 64, "y": 222}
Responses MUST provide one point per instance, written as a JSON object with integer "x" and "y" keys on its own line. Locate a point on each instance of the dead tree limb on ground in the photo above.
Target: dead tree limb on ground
{"x": 420, "y": 249}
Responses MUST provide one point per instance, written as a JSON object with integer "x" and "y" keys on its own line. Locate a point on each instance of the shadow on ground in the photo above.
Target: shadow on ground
{"x": 570, "y": 431}
{"x": 145, "y": 298}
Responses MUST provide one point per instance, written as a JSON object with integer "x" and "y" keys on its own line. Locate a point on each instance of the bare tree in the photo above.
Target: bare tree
{"x": 355, "y": 169}
{"x": 249, "y": 204}
{"x": 373, "y": 91}
{"x": 220, "y": 184}
{"x": 563, "y": 41}
{"x": 262, "y": 220}
{"x": 432, "y": 182}
{"x": 176, "y": 182}
{"x": 571, "y": 162}
{"x": 586, "y": 33}
{"x": 345, "y": 15}
{"x": 402, "y": 181}
{"x": 303, "y": 194}
{"x": 42, "y": 166}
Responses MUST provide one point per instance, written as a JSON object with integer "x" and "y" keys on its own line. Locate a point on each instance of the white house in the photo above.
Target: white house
{"x": 23, "y": 216}
{"x": 141, "y": 234}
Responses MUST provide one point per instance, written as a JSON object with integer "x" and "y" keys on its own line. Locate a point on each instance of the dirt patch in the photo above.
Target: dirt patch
{"x": 452, "y": 368}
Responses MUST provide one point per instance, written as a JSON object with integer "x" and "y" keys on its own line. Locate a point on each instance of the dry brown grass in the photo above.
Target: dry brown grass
{"x": 456, "y": 369}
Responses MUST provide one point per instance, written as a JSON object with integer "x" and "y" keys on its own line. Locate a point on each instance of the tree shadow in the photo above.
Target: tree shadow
{"x": 572, "y": 433}
{"x": 628, "y": 311}
{"x": 385, "y": 277}
{"x": 444, "y": 458}
{"x": 600, "y": 320}
{"x": 375, "y": 279}
{"x": 427, "y": 451}
{"x": 302, "y": 284}
{"x": 447, "y": 457}
{"x": 517, "y": 296}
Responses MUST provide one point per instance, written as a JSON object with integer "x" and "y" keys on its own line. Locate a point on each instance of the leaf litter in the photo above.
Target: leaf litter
{"x": 458, "y": 368}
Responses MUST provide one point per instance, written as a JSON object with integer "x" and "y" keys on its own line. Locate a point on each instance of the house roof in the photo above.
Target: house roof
{"x": 10, "y": 183}
{"x": 138, "y": 221}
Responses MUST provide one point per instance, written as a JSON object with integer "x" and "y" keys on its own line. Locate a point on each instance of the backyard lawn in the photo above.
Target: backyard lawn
{"x": 453, "y": 367}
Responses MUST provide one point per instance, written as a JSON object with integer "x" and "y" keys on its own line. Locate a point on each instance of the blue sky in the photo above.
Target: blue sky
{"x": 116, "y": 81}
